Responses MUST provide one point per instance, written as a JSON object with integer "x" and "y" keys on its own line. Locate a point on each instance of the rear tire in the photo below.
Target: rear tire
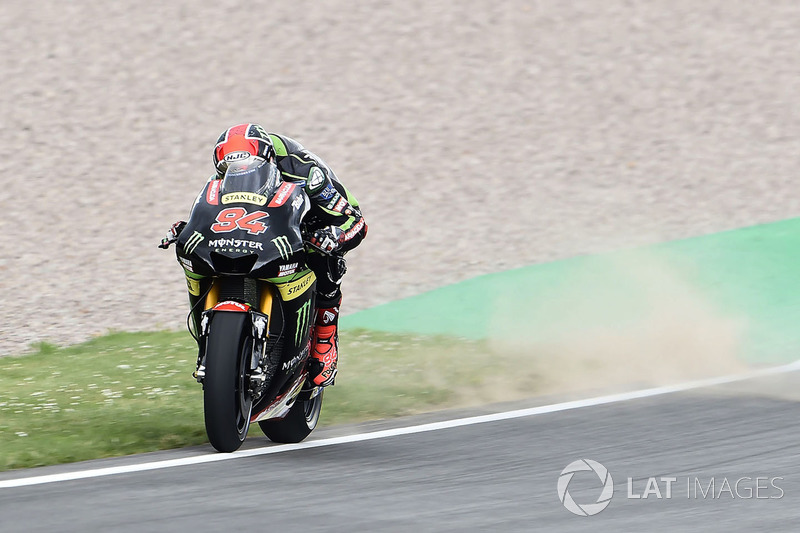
{"x": 299, "y": 422}
{"x": 226, "y": 388}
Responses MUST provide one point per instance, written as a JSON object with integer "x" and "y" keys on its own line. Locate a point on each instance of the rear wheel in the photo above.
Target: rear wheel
{"x": 226, "y": 389}
{"x": 298, "y": 423}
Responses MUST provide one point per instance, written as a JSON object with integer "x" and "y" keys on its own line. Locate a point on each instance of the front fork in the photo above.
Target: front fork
{"x": 259, "y": 322}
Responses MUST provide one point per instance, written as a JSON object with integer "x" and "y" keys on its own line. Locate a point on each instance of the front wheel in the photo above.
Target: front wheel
{"x": 298, "y": 423}
{"x": 227, "y": 400}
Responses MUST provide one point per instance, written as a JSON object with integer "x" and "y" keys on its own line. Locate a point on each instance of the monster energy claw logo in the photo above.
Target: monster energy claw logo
{"x": 192, "y": 242}
{"x": 282, "y": 244}
{"x": 302, "y": 322}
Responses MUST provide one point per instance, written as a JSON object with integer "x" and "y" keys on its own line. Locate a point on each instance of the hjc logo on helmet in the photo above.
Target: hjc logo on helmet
{"x": 236, "y": 156}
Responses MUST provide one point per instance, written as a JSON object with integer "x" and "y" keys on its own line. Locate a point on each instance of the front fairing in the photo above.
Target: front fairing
{"x": 239, "y": 227}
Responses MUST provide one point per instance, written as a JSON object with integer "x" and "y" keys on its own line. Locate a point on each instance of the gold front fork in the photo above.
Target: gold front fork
{"x": 212, "y": 298}
{"x": 265, "y": 305}
{"x": 266, "y": 301}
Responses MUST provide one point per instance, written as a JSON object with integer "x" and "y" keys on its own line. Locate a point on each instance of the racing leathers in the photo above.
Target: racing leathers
{"x": 333, "y": 226}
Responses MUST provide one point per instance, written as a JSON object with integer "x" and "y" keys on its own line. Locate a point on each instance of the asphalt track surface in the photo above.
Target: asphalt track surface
{"x": 491, "y": 476}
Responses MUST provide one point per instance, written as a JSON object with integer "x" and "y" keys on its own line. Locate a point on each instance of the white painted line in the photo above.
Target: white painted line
{"x": 435, "y": 426}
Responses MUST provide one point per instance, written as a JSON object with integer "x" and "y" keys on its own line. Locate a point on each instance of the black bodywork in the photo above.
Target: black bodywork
{"x": 244, "y": 235}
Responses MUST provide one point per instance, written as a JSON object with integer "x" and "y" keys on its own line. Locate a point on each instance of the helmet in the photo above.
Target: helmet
{"x": 240, "y": 142}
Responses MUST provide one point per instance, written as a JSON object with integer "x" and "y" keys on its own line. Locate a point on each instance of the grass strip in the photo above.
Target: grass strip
{"x": 126, "y": 393}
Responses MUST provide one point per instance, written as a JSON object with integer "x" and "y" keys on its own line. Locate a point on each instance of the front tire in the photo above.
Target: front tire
{"x": 227, "y": 400}
{"x": 298, "y": 423}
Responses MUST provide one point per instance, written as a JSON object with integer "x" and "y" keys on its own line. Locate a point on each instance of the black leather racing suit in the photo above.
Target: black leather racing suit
{"x": 331, "y": 205}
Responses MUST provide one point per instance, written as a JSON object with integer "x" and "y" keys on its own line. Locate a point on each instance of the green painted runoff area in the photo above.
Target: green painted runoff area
{"x": 744, "y": 280}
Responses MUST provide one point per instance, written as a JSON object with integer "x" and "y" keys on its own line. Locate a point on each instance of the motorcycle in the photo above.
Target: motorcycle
{"x": 243, "y": 254}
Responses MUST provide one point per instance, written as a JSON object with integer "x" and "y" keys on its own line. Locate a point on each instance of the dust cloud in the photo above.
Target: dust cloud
{"x": 608, "y": 325}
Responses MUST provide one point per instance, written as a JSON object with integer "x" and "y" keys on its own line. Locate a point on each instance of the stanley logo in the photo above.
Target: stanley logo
{"x": 293, "y": 289}
{"x": 282, "y": 244}
{"x": 302, "y": 322}
{"x": 243, "y": 197}
{"x": 193, "y": 285}
{"x": 192, "y": 242}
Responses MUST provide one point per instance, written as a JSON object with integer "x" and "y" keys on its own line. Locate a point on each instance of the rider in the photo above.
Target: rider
{"x": 334, "y": 226}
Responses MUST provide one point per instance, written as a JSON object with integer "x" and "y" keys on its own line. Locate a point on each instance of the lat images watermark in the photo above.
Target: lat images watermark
{"x": 586, "y": 509}
{"x": 664, "y": 487}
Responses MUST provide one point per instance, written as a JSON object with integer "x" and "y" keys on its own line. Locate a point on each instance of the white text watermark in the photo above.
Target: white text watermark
{"x": 760, "y": 487}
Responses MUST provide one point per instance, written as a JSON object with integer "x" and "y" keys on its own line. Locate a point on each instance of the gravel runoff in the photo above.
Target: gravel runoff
{"x": 478, "y": 135}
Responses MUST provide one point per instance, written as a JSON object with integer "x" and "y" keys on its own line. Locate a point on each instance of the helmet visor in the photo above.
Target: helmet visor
{"x": 254, "y": 175}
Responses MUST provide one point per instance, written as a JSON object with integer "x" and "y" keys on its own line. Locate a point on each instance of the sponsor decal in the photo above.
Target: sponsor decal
{"x": 352, "y": 232}
{"x": 327, "y": 317}
{"x": 333, "y": 200}
{"x": 295, "y": 360}
{"x": 302, "y": 321}
{"x": 260, "y": 133}
{"x": 315, "y": 180}
{"x": 192, "y": 242}
{"x": 231, "y": 306}
{"x": 186, "y": 264}
{"x": 237, "y": 156}
{"x": 237, "y": 170}
{"x": 292, "y": 289}
{"x": 298, "y": 201}
{"x": 193, "y": 285}
{"x": 243, "y": 197}
{"x": 285, "y": 270}
{"x": 238, "y": 218}
{"x": 340, "y": 205}
{"x": 237, "y": 244}
{"x": 282, "y": 194}
{"x": 212, "y": 194}
{"x": 282, "y": 244}
{"x": 328, "y": 192}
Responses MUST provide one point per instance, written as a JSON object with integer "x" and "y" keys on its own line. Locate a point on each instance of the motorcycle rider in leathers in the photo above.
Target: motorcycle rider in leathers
{"x": 334, "y": 226}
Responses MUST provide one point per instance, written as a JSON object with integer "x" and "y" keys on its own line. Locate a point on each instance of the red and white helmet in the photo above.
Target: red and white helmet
{"x": 240, "y": 142}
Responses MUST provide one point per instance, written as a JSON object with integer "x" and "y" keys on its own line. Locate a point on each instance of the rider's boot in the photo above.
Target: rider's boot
{"x": 325, "y": 348}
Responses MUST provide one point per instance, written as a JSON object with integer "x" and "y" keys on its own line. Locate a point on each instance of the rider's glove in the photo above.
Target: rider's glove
{"x": 326, "y": 239}
{"x": 172, "y": 234}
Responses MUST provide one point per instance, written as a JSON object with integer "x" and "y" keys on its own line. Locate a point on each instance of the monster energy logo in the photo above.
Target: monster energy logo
{"x": 192, "y": 242}
{"x": 302, "y": 322}
{"x": 282, "y": 244}
{"x": 260, "y": 130}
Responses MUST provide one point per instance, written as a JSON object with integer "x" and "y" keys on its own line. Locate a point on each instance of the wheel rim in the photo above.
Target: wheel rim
{"x": 312, "y": 409}
{"x": 244, "y": 400}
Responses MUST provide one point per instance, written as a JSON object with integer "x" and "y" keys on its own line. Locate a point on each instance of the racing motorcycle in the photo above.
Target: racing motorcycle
{"x": 244, "y": 258}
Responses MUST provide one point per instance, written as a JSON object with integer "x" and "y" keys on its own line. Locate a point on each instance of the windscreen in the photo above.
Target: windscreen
{"x": 252, "y": 176}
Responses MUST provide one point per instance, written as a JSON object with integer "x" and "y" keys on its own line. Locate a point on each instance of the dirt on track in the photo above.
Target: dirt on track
{"x": 478, "y": 135}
